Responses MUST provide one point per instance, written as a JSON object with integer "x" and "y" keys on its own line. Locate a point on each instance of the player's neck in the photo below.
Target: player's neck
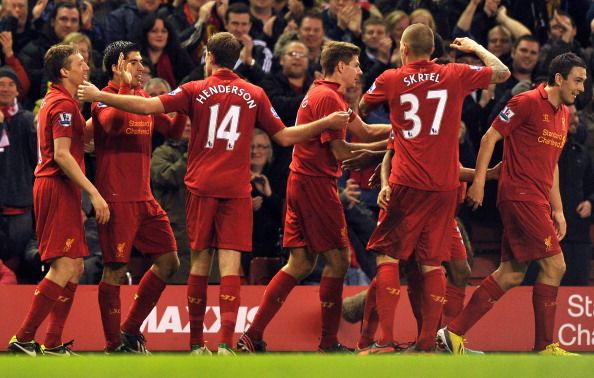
{"x": 414, "y": 59}
{"x": 70, "y": 87}
{"x": 335, "y": 78}
{"x": 553, "y": 95}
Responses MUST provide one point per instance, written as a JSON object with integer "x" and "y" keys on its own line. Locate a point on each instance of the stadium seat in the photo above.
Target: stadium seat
{"x": 262, "y": 269}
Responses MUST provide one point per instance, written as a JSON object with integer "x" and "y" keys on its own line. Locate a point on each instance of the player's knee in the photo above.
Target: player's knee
{"x": 555, "y": 268}
{"x": 339, "y": 266}
{"x": 113, "y": 273}
{"x": 459, "y": 274}
{"x": 167, "y": 265}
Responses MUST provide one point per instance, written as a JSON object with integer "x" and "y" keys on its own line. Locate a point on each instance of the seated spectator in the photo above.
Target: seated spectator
{"x": 64, "y": 19}
{"x": 123, "y": 22}
{"x": 168, "y": 169}
{"x": 286, "y": 88}
{"x": 343, "y": 20}
{"x": 14, "y": 17}
{"x": 475, "y": 22}
{"x": 158, "y": 42}
{"x": 18, "y": 156}
{"x": 267, "y": 201}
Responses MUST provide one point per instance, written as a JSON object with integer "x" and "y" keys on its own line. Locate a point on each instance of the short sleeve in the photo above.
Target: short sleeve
{"x": 473, "y": 77}
{"x": 179, "y": 99}
{"x": 326, "y": 106}
{"x": 268, "y": 120}
{"x": 512, "y": 115}
{"x": 377, "y": 94}
{"x": 62, "y": 119}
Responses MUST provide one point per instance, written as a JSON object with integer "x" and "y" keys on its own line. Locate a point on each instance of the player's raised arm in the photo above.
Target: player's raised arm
{"x": 296, "y": 134}
{"x": 89, "y": 93}
{"x": 500, "y": 71}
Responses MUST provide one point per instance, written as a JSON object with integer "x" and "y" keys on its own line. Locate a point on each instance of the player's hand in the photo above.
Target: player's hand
{"x": 560, "y": 224}
{"x": 584, "y": 209}
{"x": 375, "y": 180}
{"x": 493, "y": 173}
{"x": 87, "y": 92}
{"x": 122, "y": 70}
{"x": 361, "y": 159}
{"x": 383, "y": 198}
{"x": 475, "y": 195}
{"x": 101, "y": 208}
{"x": 464, "y": 44}
{"x": 337, "y": 120}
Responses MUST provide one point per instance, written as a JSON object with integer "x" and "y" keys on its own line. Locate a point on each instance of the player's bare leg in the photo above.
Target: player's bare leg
{"x": 300, "y": 265}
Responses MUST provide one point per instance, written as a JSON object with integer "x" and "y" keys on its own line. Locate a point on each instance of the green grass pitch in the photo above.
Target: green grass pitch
{"x": 298, "y": 365}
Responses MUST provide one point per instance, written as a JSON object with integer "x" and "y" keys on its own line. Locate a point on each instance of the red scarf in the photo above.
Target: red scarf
{"x": 165, "y": 70}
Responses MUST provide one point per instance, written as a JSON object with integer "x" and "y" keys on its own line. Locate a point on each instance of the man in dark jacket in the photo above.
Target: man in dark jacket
{"x": 18, "y": 157}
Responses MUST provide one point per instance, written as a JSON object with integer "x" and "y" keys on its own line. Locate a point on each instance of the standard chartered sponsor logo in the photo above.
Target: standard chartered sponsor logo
{"x": 169, "y": 320}
{"x": 581, "y": 308}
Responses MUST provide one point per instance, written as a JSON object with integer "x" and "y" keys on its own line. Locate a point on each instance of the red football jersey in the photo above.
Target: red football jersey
{"x": 314, "y": 157}
{"x": 426, "y": 138}
{"x": 59, "y": 116}
{"x": 535, "y": 133}
{"x": 224, "y": 110}
{"x": 123, "y": 147}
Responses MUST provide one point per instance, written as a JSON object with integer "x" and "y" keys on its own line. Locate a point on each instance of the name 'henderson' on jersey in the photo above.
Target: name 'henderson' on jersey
{"x": 223, "y": 110}
{"x": 425, "y": 100}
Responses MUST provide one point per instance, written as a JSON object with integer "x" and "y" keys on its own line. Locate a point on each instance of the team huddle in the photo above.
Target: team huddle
{"x": 420, "y": 192}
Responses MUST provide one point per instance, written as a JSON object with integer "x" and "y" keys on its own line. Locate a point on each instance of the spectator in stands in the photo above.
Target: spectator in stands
{"x": 396, "y": 22}
{"x": 255, "y": 59}
{"x": 377, "y": 48}
{"x": 158, "y": 42}
{"x": 261, "y": 12}
{"x": 311, "y": 33}
{"x": 576, "y": 183}
{"x": 343, "y": 20}
{"x": 122, "y": 22}
{"x": 9, "y": 58}
{"x": 562, "y": 32}
{"x": 156, "y": 87}
{"x": 499, "y": 42}
{"x": 184, "y": 19}
{"x": 423, "y": 16}
{"x": 15, "y": 18}
{"x": 286, "y": 89}
{"x": 64, "y": 19}
{"x": 18, "y": 147}
{"x": 168, "y": 169}
{"x": 475, "y": 22}
{"x": 267, "y": 200}
{"x": 83, "y": 43}
{"x": 286, "y": 21}
{"x": 524, "y": 56}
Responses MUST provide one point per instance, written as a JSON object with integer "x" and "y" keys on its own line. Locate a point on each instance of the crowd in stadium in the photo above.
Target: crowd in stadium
{"x": 281, "y": 50}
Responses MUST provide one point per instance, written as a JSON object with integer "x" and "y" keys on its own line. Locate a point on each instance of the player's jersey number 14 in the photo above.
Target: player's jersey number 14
{"x": 227, "y": 129}
{"x": 411, "y": 115}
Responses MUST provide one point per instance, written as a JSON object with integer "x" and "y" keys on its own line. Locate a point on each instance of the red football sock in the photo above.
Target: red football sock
{"x": 454, "y": 302}
{"x": 433, "y": 299}
{"x": 229, "y": 304}
{"x": 544, "y": 302}
{"x": 414, "y": 280}
{"x": 58, "y": 316}
{"x": 197, "y": 289}
{"x": 387, "y": 296}
{"x": 110, "y": 306}
{"x": 46, "y": 295}
{"x": 149, "y": 291}
{"x": 370, "y": 319}
{"x": 480, "y": 303}
{"x": 331, "y": 302}
{"x": 274, "y": 296}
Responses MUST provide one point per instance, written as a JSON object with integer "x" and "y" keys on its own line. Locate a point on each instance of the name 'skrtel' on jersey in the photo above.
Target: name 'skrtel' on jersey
{"x": 425, "y": 101}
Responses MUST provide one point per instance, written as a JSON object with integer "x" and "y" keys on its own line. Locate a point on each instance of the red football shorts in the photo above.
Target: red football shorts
{"x": 416, "y": 220}
{"x": 315, "y": 216}
{"x": 528, "y": 231}
{"x": 144, "y": 225}
{"x": 222, "y": 223}
{"x": 457, "y": 249}
{"x": 58, "y": 215}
